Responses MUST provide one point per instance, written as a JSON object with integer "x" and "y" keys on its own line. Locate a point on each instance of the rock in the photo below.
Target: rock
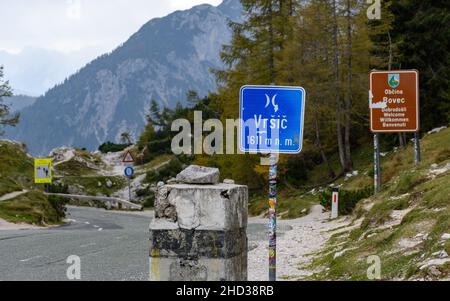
{"x": 109, "y": 184}
{"x": 172, "y": 181}
{"x": 161, "y": 202}
{"x": 440, "y": 254}
{"x": 434, "y": 271}
{"x": 171, "y": 213}
{"x": 437, "y": 130}
{"x": 252, "y": 246}
{"x": 75, "y": 189}
{"x": 160, "y": 184}
{"x": 445, "y": 236}
{"x": 228, "y": 181}
{"x": 204, "y": 207}
{"x": 434, "y": 166}
{"x": 99, "y": 184}
{"x": 195, "y": 174}
{"x": 339, "y": 254}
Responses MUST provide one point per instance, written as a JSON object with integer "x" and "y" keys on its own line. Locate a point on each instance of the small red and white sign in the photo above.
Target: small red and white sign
{"x": 128, "y": 158}
{"x": 335, "y": 205}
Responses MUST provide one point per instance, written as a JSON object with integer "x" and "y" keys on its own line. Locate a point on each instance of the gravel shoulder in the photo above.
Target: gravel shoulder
{"x": 305, "y": 236}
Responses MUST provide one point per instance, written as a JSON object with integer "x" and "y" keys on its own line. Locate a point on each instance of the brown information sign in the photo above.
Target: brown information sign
{"x": 394, "y": 101}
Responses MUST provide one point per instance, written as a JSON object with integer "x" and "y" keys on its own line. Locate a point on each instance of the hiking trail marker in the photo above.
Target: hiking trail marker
{"x": 335, "y": 203}
{"x": 271, "y": 122}
{"x": 394, "y": 108}
{"x": 43, "y": 171}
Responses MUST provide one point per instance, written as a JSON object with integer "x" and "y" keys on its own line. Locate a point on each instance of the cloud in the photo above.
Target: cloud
{"x": 71, "y": 25}
{"x": 50, "y": 39}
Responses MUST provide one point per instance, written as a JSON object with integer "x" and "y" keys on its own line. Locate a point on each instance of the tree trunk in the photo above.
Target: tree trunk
{"x": 348, "y": 101}
{"x": 401, "y": 137}
{"x": 336, "y": 88}
{"x": 318, "y": 143}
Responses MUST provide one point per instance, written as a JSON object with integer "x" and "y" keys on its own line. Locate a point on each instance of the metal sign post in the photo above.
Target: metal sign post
{"x": 129, "y": 189}
{"x": 417, "y": 148}
{"x": 377, "y": 182}
{"x": 129, "y": 172}
{"x": 271, "y": 122}
{"x": 273, "y": 217}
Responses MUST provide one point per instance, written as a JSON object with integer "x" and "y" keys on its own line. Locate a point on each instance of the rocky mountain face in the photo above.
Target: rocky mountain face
{"x": 166, "y": 58}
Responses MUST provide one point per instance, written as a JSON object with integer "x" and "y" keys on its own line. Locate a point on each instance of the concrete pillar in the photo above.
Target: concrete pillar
{"x": 199, "y": 233}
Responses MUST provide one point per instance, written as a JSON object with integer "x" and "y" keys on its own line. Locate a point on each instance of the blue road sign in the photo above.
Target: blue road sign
{"x": 272, "y": 119}
{"x": 129, "y": 171}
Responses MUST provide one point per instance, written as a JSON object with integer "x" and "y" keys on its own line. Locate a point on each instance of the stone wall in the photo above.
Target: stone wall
{"x": 199, "y": 232}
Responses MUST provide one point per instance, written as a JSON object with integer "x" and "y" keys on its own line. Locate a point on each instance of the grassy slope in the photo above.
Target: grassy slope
{"x": 74, "y": 172}
{"x": 403, "y": 225}
{"x": 31, "y": 208}
{"x": 16, "y": 173}
{"x": 77, "y": 168}
{"x": 291, "y": 203}
{"x": 91, "y": 184}
{"x": 16, "y": 168}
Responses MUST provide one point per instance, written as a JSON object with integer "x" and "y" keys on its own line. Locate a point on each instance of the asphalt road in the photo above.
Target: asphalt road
{"x": 111, "y": 246}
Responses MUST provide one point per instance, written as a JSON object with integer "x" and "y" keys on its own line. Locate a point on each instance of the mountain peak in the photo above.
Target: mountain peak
{"x": 164, "y": 60}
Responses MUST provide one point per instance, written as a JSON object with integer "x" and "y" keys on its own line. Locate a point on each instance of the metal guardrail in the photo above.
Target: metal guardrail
{"x": 111, "y": 200}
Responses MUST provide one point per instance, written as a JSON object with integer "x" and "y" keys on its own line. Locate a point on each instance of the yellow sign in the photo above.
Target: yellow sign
{"x": 43, "y": 171}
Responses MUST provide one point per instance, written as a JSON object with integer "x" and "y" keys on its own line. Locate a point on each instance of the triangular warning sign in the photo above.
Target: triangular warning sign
{"x": 128, "y": 158}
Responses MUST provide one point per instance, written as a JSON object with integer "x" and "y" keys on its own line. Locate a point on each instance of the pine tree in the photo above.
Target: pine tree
{"x": 422, "y": 32}
{"x": 6, "y": 91}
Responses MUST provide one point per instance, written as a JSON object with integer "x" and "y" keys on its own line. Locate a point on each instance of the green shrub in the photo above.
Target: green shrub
{"x": 166, "y": 172}
{"x": 56, "y": 188}
{"x": 347, "y": 199}
{"x": 59, "y": 204}
{"x": 112, "y": 147}
{"x": 149, "y": 200}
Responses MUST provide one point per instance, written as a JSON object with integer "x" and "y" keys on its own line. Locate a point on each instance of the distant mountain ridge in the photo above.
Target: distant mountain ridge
{"x": 19, "y": 102}
{"x": 165, "y": 59}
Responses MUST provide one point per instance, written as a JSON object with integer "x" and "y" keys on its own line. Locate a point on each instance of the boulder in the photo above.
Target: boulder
{"x": 109, "y": 184}
{"x": 195, "y": 174}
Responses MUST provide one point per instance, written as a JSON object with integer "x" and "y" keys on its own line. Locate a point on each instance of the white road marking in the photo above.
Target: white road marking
{"x": 95, "y": 226}
{"x": 87, "y": 223}
{"x": 100, "y": 229}
{"x": 31, "y": 258}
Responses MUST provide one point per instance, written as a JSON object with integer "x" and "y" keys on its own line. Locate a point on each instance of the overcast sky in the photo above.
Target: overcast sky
{"x": 44, "y": 41}
{"x": 71, "y": 25}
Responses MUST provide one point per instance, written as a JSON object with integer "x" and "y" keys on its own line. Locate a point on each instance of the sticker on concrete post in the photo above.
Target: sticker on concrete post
{"x": 335, "y": 204}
